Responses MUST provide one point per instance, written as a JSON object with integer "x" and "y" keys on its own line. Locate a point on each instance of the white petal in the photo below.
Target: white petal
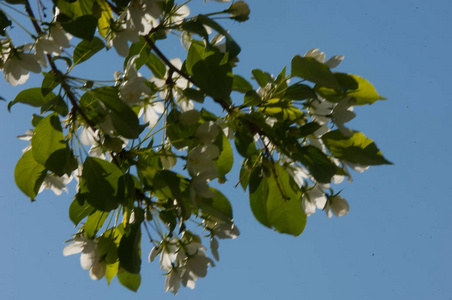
{"x": 154, "y": 252}
{"x": 334, "y": 61}
{"x": 214, "y": 248}
{"x": 73, "y": 248}
{"x": 88, "y": 259}
{"x": 98, "y": 271}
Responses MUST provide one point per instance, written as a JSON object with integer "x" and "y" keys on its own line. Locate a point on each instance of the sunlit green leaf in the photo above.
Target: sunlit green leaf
{"x": 29, "y": 175}
{"x": 85, "y": 49}
{"x": 78, "y": 212}
{"x": 258, "y": 198}
{"x": 105, "y": 17}
{"x": 33, "y": 97}
{"x": 156, "y": 65}
{"x": 284, "y": 211}
{"x": 356, "y": 149}
{"x": 281, "y": 109}
{"x": 111, "y": 271}
{"x": 129, "y": 280}
{"x": 49, "y": 147}
{"x": 94, "y": 222}
{"x": 225, "y": 160}
{"x": 365, "y": 93}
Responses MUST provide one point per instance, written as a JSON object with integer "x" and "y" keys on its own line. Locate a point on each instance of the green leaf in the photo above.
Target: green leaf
{"x": 4, "y": 22}
{"x": 356, "y": 149}
{"x": 33, "y": 97}
{"x": 284, "y": 204}
{"x": 167, "y": 185}
{"x": 101, "y": 184}
{"x": 318, "y": 164}
{"x": 87, "y": 48}
{"x": 129, "y": 280}
{"x": 208, "y": 73}
{"x": 124, "y": 119}
{"x": 244, "y": 142}
{"x": 194, "y": 95}
{"x": 78, "y": 18}
{"x": 77, "y": 211}
{"x": 181, "y": 135}
{"x": 262, "y": 78}
{"x": 346, "y": 81}
{"x": 258, "y": 197}
{"x": 231, "y": 46}
{"x": 57, "y": 104}
{"x": 251, "y": 98}
{"x": 218, "y": 206}
{"x": 83, "y": 27}
{"x": 196, "y": 27}
{"x": 305, "y": 130}
{"x": 299, "y": 91}
{"x": 105, "y": 17}
{"x": 49, "y": 82}
{"x": 29, "y": 175}
{"x": 111, "y": 271}
{"x": 35, "y": 120}
{"x": 276, "y": 201}
{"x": 240, "y": 84}
{"x": 365, "y": 93}
{"x": 225, "y": 160}
{"x": 156, "y": 65}
{"x": 281, "y": 109}
{"x": 310, "y": 69}
{"x": 107, "y": 246}
{"x": 49, "y": 147}
{"x": 141, "y": 49}
{"x": 95, "y": 222}
{"x": 129, "y": 252}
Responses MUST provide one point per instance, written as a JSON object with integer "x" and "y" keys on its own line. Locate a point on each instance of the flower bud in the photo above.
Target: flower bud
{"x": 239, "y": 11}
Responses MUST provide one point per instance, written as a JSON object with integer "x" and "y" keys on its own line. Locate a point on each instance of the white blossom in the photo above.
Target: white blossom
{"x": 56, "y": 183}
{"x": 320, "y": 57}
{"x": 342, "y": 113}
{"x": 207, "y": 132}
{"x": 337, "y": 205}
{"x": 313, "y": 199}
{"x": 89, "y": 258}
{"x": 17, "y": 68}
{"x": 190, "y": 117}
{"x": 221, "y": 228}
{"x": 185, "y": 261}
{"x": 26, "y": 137}
{"x": 150, "y": 112}
{"x": 200, "y": 159}
{"x": 134, "y": 85}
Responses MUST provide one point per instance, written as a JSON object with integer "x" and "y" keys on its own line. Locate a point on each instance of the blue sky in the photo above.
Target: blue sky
{"x": 396, "y": 241}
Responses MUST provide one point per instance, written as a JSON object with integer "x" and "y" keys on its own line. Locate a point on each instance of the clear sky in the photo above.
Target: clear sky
{"x": 396, "y": 241}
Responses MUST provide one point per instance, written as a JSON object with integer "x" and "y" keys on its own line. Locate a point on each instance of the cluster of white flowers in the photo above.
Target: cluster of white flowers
{"x": 219, "y": 229}
{"x": 184, "y": 260}
{"x": 324, "y": 113}
{"x": 89, "y": 258}
{"x": 18, "y": 62}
